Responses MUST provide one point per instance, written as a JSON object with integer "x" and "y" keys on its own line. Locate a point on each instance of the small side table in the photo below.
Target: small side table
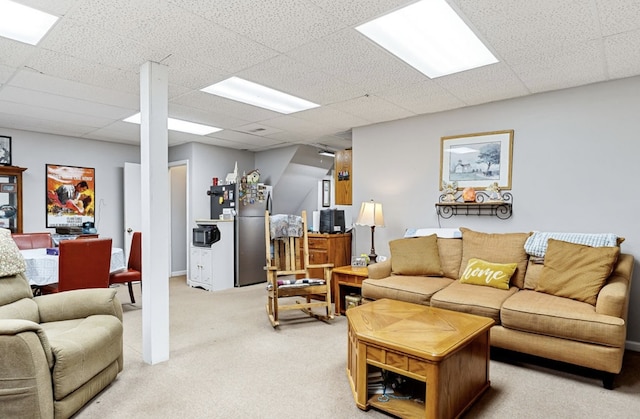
{"x": 346, "y": 279}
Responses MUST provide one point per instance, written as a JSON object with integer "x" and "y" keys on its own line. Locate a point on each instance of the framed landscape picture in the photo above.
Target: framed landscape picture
{"x": 477, "y": 160}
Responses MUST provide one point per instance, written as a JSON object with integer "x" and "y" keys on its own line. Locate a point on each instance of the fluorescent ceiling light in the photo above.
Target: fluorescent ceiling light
{"x": 431, "y": 37}
{"x": 23, "y": 23}
{"x": 180, "y": 125}
{"x": 244, "y": 91}
{"x": 327, "y": 153}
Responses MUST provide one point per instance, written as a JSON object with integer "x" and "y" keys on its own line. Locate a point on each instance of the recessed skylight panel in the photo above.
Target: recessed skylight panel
{"x": 23, "y": 23}
{"x": 255, "y": 94}
{"x": 431, "y": 37}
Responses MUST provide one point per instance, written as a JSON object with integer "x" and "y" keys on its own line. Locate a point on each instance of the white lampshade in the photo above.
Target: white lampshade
{"x": 370, "y": 214}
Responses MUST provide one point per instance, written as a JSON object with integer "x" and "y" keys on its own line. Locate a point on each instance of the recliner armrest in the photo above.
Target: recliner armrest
{"x": 14, "y": 327}
{"x": 78, "y": 304}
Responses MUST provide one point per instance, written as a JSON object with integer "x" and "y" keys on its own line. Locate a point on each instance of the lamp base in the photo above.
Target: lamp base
{"x": 373, "y": 258}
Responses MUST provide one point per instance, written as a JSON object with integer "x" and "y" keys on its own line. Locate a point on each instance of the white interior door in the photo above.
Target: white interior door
{"x": 132, "y": 204}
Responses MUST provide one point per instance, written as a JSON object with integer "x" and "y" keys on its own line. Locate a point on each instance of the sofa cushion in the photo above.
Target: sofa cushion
{"x": 82, "y": 348}
{"x": 576, "y": 271}
{"x": 468, "y": 298}
{"x": 415, "y": 256}
{"x": 412, "y": 289}
{"x": 450, "y": 255}
{"x": 534, "y": 269}
{"x": 545, "y": 314}
{"x": 481, "y": 272}
{"x": 499, "y": 248}
{"x": 11, "y": 260}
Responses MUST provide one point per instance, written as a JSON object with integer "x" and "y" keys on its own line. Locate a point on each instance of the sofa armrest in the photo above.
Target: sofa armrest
{"x": 613, "y": 299}
{"x": 380, "y": 270}
{"x": 78, "y": 304}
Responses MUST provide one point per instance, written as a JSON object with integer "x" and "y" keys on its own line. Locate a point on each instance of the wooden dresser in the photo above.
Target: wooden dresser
{"x": 329, "y": 248}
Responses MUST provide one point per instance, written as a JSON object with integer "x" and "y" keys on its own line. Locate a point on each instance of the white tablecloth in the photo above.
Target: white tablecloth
{"x": 42, "y": 269}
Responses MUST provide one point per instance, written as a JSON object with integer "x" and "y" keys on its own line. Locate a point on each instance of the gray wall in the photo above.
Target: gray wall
{"x": 575, "y": 168}
{"x": 34, "y": 150}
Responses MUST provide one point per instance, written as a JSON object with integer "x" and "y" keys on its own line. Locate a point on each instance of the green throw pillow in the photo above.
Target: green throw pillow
{"x": 481, "y": 272}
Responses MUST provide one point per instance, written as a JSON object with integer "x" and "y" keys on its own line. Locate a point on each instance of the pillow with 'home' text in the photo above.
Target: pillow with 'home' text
{"x": 481, "y": 272}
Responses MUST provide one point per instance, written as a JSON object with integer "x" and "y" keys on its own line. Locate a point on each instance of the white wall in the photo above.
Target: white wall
{"x": 575, "y": 168}
{"x": 34, "y": 150}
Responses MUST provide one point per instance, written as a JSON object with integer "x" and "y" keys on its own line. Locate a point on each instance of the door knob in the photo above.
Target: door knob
{"x": 129, "y": 230}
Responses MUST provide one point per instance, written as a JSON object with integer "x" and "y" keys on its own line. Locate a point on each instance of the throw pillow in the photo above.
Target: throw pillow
{"x": 415, "y": 256}
{"x": 496, "y": 248}
{"x": 11, "y": 260}
{"x": 481, "y": 272}
{"x": 576, "y": 271}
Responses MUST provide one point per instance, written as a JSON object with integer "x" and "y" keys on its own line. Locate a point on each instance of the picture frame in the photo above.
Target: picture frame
{"x": 477, "y": 160}
{"x": 70, "y": 195}
{"x": 5, "y": 150}
{"x": 326, "y": 193}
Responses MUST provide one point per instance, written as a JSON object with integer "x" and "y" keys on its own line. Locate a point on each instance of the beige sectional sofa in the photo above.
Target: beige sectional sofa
{"x": 554, "y": 306}
{"x": 57, "y": 351}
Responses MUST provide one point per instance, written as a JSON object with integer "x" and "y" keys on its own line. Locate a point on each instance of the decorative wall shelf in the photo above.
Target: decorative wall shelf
{"x": 483, "y": 206}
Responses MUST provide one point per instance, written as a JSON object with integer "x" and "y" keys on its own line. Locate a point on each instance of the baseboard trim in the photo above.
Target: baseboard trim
{"x": 632, "y": 346}
{"x": 178, "y": 273}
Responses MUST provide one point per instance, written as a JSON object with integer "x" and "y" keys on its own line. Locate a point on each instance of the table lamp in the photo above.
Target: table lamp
{"x": 371, "y": 215}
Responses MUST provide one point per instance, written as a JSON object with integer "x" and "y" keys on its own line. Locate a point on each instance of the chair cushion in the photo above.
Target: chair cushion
{"x": 82, "y": 348}
{"x": 472, "y": 299}
{"x": 11, "y": 260}
{"x": 415, "y": 256}
{"x": 576, "y": 271}
{"x": 128, "y": 275}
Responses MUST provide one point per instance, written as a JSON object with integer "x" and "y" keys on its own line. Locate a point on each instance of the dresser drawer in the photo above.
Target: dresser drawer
{"x": 318, "y": 256}
{"x": 318, "y": 244}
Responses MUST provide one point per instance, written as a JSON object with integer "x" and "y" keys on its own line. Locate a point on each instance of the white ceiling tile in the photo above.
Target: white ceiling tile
{"x": 300, "y": 79}
{"x": 576, "y": 65}
{"x": 355, "y": 60}
{"x": 5, "y": 73}
{"x": 29, "y": 79}
{"x": 61, "y": 116}
{"x": 332, "y": 118}
{"x": 422, "y": 97}
{"x": 484, "y": 84}
{"x": 70, "y": 68}
{"x": 617, "y": 16}
{"x": 14, "y": 53}
{"x": 269, "y": 22}
{"x": 356, "y": 12}
{"x": 623, "y": 54}
{"x": 244, "y": 138}
{"x": 372, "y": 108}
{"x": 28, "y": 97}
{"x": 58, "y": 7}
{"x": 220, "y": 105}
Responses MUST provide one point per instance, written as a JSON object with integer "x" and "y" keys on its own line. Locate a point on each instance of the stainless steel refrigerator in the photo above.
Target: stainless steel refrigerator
{"x": 247, "y": 204}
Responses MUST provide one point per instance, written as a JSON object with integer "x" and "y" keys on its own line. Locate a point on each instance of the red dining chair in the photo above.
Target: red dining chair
{"x": 32, "y": 240}
{"x": 84, "y": 264}
{"x": 133, "y": 273}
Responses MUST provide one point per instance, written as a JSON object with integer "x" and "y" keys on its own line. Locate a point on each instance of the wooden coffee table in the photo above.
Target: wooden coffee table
{"x": 345, "y": 279}
{"x": 446, "y": 350}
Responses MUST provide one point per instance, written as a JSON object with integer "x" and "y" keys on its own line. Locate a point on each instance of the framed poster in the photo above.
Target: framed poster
{"x": 477, "y": 160}
{"x": 5, "y": 150}
{"x": 70, "y": 195}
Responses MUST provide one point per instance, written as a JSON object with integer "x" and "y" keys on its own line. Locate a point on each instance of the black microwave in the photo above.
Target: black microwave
{"x": 205, "y": 235}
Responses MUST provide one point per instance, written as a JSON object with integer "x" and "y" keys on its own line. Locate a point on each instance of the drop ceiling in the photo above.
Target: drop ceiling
{"x": 82, "y": 79}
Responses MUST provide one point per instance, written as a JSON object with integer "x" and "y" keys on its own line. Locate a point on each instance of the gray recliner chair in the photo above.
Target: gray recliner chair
{"x": 57, "y": 351}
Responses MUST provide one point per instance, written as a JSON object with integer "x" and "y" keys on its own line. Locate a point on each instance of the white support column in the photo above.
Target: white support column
{"x": 154, "y": 155}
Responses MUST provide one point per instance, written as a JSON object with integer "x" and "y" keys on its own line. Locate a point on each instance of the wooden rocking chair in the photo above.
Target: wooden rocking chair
{"x": 287, "y": 267}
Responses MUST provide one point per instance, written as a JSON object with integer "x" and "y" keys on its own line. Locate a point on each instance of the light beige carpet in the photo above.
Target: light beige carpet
{"x": 226, "y": 361}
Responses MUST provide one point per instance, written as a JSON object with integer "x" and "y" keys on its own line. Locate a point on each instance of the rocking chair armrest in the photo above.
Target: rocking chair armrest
{"x": 270, "y": 268}
{"x": 321, "y": 265}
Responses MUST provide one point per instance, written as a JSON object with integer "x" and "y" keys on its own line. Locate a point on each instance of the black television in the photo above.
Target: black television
{"x": 332, "y": 221}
